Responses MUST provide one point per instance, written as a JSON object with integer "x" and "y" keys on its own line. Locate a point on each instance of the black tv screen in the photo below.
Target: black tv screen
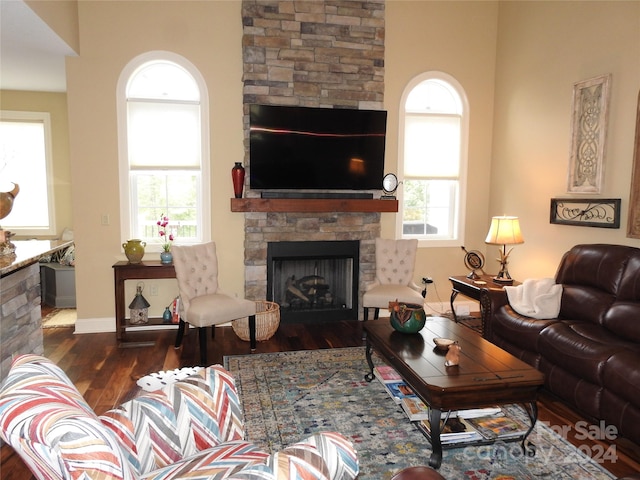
{"x": 299, "y": 148}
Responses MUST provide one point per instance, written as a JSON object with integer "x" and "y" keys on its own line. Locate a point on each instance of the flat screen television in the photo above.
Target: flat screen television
{"x": 303, "y": 148}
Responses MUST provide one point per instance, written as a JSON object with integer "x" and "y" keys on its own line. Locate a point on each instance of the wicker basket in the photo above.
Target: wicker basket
{"x": 267, "y": 322}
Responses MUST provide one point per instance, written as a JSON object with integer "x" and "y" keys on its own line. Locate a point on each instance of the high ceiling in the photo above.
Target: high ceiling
{"x": 31, "y": 54}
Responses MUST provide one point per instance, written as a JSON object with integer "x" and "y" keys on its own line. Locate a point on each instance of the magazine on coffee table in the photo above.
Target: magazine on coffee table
{"x": 498, "y": 426}
{"x": 398, "y": 391}
{"x": 470, "y": 426}
{"x": 453, "y": 430}
{"x": 386, "y": 374}
{"x": 415, "y": 408}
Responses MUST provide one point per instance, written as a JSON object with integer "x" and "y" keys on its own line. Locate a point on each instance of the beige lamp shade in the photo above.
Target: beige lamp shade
{"x": 504, "y": 231}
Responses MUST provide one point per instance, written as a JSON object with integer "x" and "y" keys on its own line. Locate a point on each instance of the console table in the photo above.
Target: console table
{"x": 124, "y": 270}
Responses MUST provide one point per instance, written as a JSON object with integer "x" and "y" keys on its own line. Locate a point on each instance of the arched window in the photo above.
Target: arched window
{"x": 164, "y": 149}
{"x": 432, "y": 160}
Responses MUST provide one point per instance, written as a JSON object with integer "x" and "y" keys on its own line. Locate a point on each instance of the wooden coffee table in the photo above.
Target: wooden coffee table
{"x": 486, "y": 376}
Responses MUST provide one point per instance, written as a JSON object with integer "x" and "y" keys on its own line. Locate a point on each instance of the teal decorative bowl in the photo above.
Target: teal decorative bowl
{"x": 407, "y": 317}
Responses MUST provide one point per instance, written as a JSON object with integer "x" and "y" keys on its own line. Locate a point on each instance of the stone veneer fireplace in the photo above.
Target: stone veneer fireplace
{"x": 262, "y": 228}
{"x": 317, "y": 54}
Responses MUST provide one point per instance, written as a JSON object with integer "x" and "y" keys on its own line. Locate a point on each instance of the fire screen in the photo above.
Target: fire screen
{"x": 314, "y": 281}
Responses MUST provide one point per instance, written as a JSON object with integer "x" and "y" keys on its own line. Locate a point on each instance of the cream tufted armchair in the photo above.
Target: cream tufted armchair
{"x": 202, "y": 303}
{"x": 395, "y": 262}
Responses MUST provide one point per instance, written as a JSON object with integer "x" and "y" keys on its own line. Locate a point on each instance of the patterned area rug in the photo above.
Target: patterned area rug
{"x": 60, "y": 318}
{"x": 474, "y": 322}
{"x": 288, "y": 395}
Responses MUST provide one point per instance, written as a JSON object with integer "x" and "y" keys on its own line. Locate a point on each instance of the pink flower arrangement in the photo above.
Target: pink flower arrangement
{"x": 163, "y": 223}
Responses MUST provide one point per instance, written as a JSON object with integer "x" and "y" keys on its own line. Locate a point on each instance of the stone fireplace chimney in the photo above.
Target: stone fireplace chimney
{"x": 326, "y": 54}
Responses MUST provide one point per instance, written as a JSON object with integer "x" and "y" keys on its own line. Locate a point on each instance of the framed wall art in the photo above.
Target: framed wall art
{"x": 633, "y": 222}
{"x": 586, "y": 212}
{"x": 590, "y": 113}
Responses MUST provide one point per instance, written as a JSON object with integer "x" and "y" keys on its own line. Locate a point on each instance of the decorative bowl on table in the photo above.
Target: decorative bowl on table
{"x": 443, "y": 343}
{"x": 407, "y": 317}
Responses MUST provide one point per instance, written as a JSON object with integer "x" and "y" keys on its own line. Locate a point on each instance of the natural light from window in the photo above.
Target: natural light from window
{"x": 164, "y": 120}
{"x": 432, "y": 161}
{"x": 25, "y": 159}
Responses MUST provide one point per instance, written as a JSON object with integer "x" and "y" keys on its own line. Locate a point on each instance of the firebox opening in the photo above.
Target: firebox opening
{"x": 314, "y": 281}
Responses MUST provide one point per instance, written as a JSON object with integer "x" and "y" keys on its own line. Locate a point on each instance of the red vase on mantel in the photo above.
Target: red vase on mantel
{"x": 237, "y": 176}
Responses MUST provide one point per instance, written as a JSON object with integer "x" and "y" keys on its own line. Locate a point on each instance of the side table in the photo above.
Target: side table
{"x": 124, "y": 270}
{"x": 472, "y": 288}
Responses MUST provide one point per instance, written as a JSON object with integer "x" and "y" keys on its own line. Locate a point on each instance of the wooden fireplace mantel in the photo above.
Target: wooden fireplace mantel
{"x": 285, "y": 205}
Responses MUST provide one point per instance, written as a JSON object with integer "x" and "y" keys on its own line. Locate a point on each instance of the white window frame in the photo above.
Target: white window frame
{"x": 460, "y": 215}
{"x": 43, "y": 118}
{"x": 203, "y": 193}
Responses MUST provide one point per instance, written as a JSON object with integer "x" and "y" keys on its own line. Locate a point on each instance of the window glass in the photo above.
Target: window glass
{"x": 163, "y": 117}
{"x": 25, "y": 159}
{"x": 433, "y": 96}
{"x": 163, "y": 134}
{"x": 160, "y": 79}
{"x": 432, "y": 146}
{"x": 432, "y": 160}
{"x": 172, "y": 195}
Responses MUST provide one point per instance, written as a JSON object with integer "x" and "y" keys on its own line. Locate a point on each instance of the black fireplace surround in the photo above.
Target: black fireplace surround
{"x": 314, "y": 281}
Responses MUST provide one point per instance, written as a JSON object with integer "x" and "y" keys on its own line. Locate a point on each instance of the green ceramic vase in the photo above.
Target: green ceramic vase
{"x": 408, "y": 318}
{"x": 134, "y": 250}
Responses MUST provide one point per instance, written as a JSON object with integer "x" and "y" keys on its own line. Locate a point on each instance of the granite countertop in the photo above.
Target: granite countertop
{"x": 28, "y": 252}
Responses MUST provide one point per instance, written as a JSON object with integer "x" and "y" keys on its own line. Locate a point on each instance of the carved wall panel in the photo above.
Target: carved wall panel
{"x": 588, "y": 134}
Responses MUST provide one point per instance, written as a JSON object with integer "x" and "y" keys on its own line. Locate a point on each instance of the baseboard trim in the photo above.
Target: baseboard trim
{"x": 95, "y": 325}
{"x": 108, "y": 325}
{"x": 441, "y": 308}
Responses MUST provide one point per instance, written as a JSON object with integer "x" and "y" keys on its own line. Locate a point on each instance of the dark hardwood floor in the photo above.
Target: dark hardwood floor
{"x": 106, "y": 374}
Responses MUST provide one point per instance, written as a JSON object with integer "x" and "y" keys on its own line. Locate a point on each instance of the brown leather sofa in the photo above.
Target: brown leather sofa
{"x": 590, "y": 354}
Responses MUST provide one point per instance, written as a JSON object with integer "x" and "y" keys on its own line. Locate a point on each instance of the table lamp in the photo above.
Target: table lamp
{"x": 504, "y": 231}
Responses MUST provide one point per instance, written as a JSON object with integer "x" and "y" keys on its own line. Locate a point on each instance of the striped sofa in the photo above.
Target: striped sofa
{"x": 190, "y": 429}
